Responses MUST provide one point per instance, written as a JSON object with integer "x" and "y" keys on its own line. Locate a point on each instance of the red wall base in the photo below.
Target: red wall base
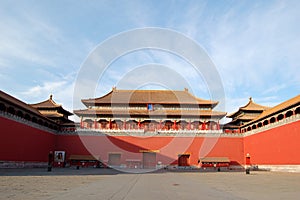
{"x": 277, "y": 146}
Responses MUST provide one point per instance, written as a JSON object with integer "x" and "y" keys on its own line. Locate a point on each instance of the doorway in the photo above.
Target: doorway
{"x": 183, "y": 159}
{"x": 149, "y": 160}
{"x": 114, "y": 159}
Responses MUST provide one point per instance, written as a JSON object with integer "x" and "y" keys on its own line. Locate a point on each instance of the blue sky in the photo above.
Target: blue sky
{"x": 253, "y": 44}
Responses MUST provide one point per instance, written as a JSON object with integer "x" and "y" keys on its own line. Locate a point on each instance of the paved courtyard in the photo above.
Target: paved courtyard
{"x": 105, "y": 184}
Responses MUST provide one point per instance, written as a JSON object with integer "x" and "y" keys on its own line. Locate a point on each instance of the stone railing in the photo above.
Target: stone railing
{"x": 141, "y": 133}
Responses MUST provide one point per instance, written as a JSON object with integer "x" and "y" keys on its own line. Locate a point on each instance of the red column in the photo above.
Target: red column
{"x": 189, "y": 126}
{"x": 95, "y": 124}
{"x": 248, "y": 161}
{"x": 174, "y": 125}
{"x": 139, "y": 124}
{"x": 124, "y": 124}
{"x": 110, "y": 125}
{"x": 203, "y": 127}
{"x": 81, "y": 122}
{"x": 218, "y": 125}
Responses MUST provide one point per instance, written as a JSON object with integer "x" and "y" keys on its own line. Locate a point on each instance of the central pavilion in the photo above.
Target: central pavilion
{"x": 149, "y": 110}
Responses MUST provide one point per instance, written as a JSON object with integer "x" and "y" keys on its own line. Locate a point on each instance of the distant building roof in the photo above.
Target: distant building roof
{"x": 51, "y": 104}
{"x": 235, "y": 123}
{"x": 287, "y": 104}
{"x": 250, "y": 106}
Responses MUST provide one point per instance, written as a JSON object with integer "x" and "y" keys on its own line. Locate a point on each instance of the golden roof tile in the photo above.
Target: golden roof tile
{"x": 50, "y": 104}
{"x": 149, "y": 96}
{"x": 51, "y": 114}
{"x": 250, "y": 106}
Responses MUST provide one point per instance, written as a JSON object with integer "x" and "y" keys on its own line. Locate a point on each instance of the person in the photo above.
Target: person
{"x": 50, "y": 160}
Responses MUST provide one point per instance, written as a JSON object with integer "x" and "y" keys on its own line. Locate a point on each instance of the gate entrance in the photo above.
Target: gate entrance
{"x": 114, "y": 159}
{"x": 149, "y": 160}
{"x": 183, "y": 159}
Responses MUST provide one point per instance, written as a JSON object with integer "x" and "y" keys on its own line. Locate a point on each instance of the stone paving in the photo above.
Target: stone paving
{"x": 110, "y": 184}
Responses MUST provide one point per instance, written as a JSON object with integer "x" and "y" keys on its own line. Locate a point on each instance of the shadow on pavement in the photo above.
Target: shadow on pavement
{"x": 97, "y": 171}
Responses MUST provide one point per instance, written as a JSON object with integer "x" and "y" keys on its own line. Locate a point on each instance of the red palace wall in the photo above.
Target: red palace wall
{"x": 20, "y": 142}
{"x": 166, "y": 148}
{"x": 277, "y": 146}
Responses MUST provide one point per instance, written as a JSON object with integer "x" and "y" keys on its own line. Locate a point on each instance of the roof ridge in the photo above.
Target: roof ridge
{"x": 147, "y": 96}
{"x": 144, "y": 90}
{"x": 52, "y": 101}
{"x": 47, "y": 100}
{"x": 250, "y": 102}
{"x": 253, "y": 103}
{"x": 165, "y": 90}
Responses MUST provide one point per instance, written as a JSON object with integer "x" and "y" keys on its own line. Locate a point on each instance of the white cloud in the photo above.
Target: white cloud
{"x": 45, "y": 88}
{"x": 255, "y": 47}
{"x": 62, "y": 90}
{"x": 258, "y": 48}
{"x": 275, "y": 88}
{"x": 126, "y": 65}
{"x": 19, "y": 40}
{"x": 32, "y": 39}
